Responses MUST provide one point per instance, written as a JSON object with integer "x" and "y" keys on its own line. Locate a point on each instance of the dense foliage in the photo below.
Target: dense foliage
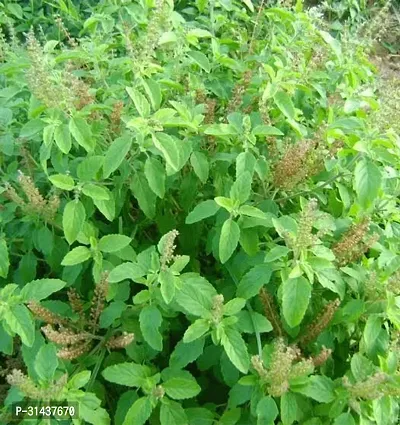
{"x": 199, "y": 214}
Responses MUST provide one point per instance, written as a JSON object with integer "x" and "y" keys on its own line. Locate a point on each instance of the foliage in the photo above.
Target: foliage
{"x": 199, "y": 216}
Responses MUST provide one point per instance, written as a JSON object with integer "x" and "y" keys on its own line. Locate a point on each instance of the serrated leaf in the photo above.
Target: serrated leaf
{"x": 251, "y": 283}
{"x": 82, "y": 133}
{"x": 296, "y": 295}
{"x": 153, "y": 91}
{"x": 276, "y": 253}
{"x": 169, "y": 148}
{"x": 113, "y": 243}
{"x": 201, "y": 211}
{"x": 196, "y": 330}
{"x": 98, "y": 193}
{"x": 144, "y": 195}
{"x": 245, "y": 162}
{"x": 167, "y": 285}
{"x": 150, "y": 320}
{"x": 285, "y": 104}
{"x": 46, "y": 362}
{"x": 185, "y": 353}
{"x": 38, "y": 290}
{"x": 235, "y": 349}
{"x": 181, "y": 388}
{"x": 200, "y": 59}
{"x": 200, "y": 165}
{"x": 367, "y": 181}
{"x": 155, "y": 175}
{"x": 266, "y": 130}
{"x": 128, "y": 374}
{"x": 124, "y": 271}
{"x": 241, "y": 188}
{"x": 140, "y": 102}
{"x": 172, "y": 413}
{"x": 116, "y": 154}
{"x": 18, "y": 319}
{"x": 139, "y": 412}
{"x": 76, "y": 256}
{"x": 196, "y": 295}
{"x": 62, "y": 181}
{"x": 230, "y": 234}
{"x": 62, "y": 137}
{"x": 74, "y": 217}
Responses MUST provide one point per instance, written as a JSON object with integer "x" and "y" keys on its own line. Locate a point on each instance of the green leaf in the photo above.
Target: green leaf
{"x": 153, "y": 91}
{"x": 96, "y": 192}
{"x": 172, "y": 413}
{"x": 4, "y": 259}
{"x": 113, "y": 243}
{"x": 107, "y": 208}
{"x": 196, "y": 330}
{"x": 200, "y": 165}
{"x": 285, "y": 104}
{"x": 251, "y": 283}
{"x": 79, "y": 380}
{"x": 276, "y": 253}
{"x": 38, "y": 290}
{"x": 249, "y": 4}
{"x": 74, "y": 217}
{"x": 116, "y": 154}
{"x": 344, "y": 419}
{"x": 155, "y": 175}
{"x": 229, "y": 239}
{"x": 367, "y": 181}
{"x": 240, "y": 190}
{"x": 267, "y": 411}
{"x": 200, "y": 59}
{"x": 230, "y": 417}
{"x": 76, "y": 256}
{"x": 62, "y": 181}
{"x": 266, "y": 130}
{"x": 166, "y": 144}
{"x": 129, "y": 374}
{"x": 17, "y": 317}
{"x": 139, "y": 412}
{"x": 89, "y": 167}
{"x": 221, "y": 130}
{"x": 245, "y": 161}
{"x": 144, "y": 195}
{"x": 150, "y": 321}
{"x": 289, "y": 408}
{"x": 181, "y": 388}
{"x": 31, "y": 128}
{"x": 235, "y": 349}
{"x": 196, "y": 295}
{"x": 201, "y": 211}
{"x": 296, "y": 295}
{"x": 140, "y": 102}
{"x": 233, "y": 306}
{"x": 46, "y": 362}
{"x": 167, "y": 282}
{"x": 185, "y": 353}
{"x": 250, "y": 211}
{"x": 371, "y": 333}
{"x": 319, "y": 388}
{"x": 62, "y": 137}
{"x": 124, "y": 271}
{"x": 333, "y": 43}
{"x": 82, "y": 133}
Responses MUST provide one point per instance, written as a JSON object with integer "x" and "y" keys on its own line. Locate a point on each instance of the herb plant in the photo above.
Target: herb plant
{"x": 199, "y": 216}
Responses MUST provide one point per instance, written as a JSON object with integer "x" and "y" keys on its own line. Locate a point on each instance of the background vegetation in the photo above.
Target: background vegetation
{"x": 199, "y": 211}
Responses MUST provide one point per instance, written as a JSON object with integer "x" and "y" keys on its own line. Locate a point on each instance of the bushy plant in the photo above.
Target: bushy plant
{"x": 199, "y": 218}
